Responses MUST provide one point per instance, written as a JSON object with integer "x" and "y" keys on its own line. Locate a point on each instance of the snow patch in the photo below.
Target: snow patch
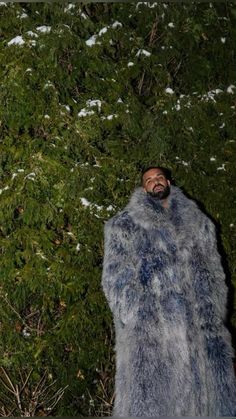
{"x": 26, "y": 333}
{"x": 110, "y": 208}
{"x": 4, "y": 189}
{"x": 171, "y": 25}
{"x": 48, "y": 84}
{"x": 94, "y": 102}
{"x": 91, "y": 41}
{"x": 32, "y": 34}
{"x": 40, "y": 253}
{"x": 83, "y": 15}
{"x": 147, "y": 4}
{"x": 140, "y": 3}
{"x": 18, "y": 40}
{"x": 109, "y": 117}
{"x": 102, "y": 31}
{"x": 130, "y": 64}
{"x": 44, "y": 29}
{"x": 116, "y": 24}
{"x": 30, "y": 176}
{"x": 85, "y": 112}
{"x": 90, "y": 103}
{"x": 177, "y": 106}
{"x": 211, "y": 95}
{"x": 32, "y": 42}
{"x": 22, "y": 16}
{"x": 69, "y": 7}
{"x": 86, "y": 203}
{"x": 143, "y": 52}
{"x": 183, "y": 162}
{"x": 217, "y": 91}
{"x": 169, "y": 91}
{"x": 230, "y": 89}
{"x": 82, "y": 164}
{"x": 221, "y": 167}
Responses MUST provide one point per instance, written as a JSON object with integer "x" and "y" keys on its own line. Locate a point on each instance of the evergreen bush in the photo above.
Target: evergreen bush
{"x": 91, "y": 93}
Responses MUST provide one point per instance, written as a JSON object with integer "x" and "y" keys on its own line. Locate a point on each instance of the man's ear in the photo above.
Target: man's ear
{"x": 168, "y": 182}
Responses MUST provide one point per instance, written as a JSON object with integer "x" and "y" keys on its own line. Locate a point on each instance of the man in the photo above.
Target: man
{"x": 165, "y": 285}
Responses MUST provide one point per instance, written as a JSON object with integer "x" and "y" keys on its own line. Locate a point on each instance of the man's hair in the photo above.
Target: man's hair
{"x": 166, "y": 172}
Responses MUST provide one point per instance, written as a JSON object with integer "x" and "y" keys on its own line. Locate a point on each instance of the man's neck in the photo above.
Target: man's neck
{"x": 164, "y": 203}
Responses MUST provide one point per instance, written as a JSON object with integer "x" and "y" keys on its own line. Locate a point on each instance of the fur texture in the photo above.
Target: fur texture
{"x": 165, "y": 285}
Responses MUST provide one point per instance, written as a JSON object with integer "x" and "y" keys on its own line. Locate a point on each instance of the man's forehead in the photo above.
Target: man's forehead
{"x": 153, "y": 172}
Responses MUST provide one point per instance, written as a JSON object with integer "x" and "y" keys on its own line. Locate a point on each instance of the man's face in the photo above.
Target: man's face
{"x": 156, "y": 184}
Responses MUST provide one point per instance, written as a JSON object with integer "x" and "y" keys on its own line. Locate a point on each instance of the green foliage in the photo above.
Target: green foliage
{"x": 77, "y": 122}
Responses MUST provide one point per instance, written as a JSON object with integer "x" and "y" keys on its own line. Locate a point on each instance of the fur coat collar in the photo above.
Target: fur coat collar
{"x": 148, "y": 211}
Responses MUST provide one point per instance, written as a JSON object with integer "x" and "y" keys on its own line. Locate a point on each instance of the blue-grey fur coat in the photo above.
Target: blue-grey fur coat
{"x": 165, "y": 285}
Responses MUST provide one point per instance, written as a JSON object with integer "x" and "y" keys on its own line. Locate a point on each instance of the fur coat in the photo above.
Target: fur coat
{"x": 165, "y": 285}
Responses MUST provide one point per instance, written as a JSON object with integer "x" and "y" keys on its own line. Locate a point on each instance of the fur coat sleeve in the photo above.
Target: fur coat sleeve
{"x": 214, "y": 265}
{"x": 118, "y": 279}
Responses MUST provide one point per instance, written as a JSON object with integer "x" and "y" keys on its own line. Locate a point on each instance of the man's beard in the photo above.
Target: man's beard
{"x": 160, "y": 194}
